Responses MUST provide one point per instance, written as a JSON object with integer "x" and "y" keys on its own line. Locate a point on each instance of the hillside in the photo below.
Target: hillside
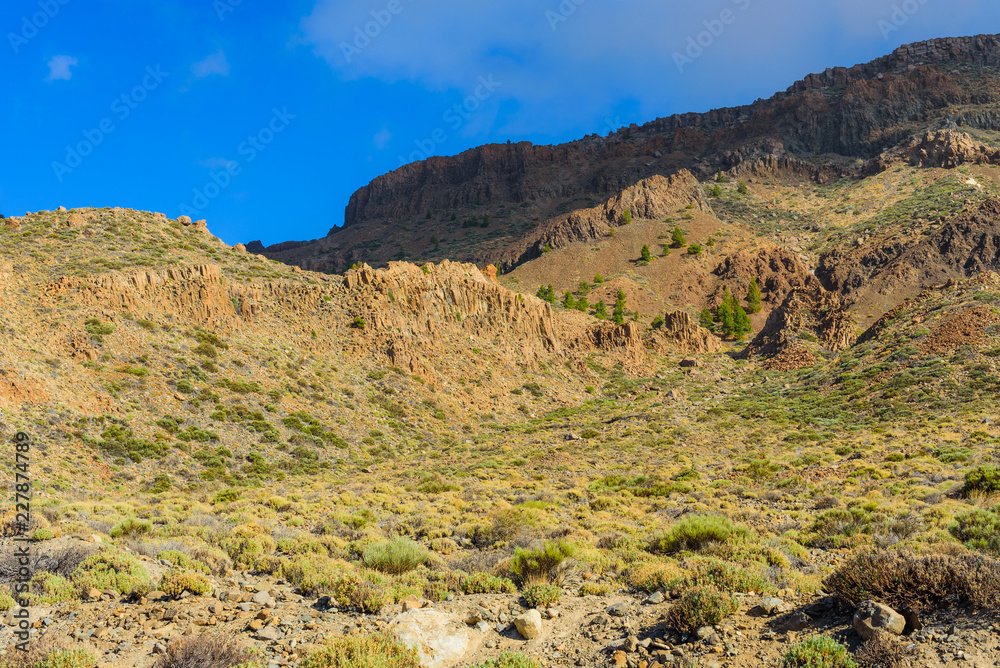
{"x": 282, "y": 460}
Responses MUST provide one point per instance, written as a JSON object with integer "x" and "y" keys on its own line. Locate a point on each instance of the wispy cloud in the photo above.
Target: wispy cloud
{"x": 59, "y": 68}
{"x": 214, "y": 64}
{"x": 382, "y": 138}
{"x": 217, "y": 163}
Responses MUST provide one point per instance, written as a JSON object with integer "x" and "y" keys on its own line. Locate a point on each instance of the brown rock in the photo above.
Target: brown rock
{"x": 871, "y": 616}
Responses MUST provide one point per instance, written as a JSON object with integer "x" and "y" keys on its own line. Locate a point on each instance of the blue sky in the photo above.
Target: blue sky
{"x": 264, "y": 117}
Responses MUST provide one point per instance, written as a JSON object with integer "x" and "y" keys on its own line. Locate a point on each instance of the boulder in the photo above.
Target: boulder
{"x": 440, "y": 640}
{"x": 529, "y": 625}
{"x": 871, "y": 616}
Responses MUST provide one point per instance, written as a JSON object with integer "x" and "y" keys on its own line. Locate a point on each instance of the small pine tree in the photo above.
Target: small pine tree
{"x": 666, "y": 249}
{"x": 706, "y": 320}
{"x": 584, "y": 289}
{"x": 754, "y": 296}
{"x": 627, "y": 217}
{"x": 568, "y": 300}
{"x": 619, "y": 314}
{"x": 644, "y": 254}
{"x": 547, "y": 293}
{"x": 677, "y": 239}
{"x": 657, "y": 322}
{"x": 743, "y": 188}
{"x": 428, "y": 215}
{"x": 582, "y": 305}
{"x": 716, "y": 191}
{"x": 598, "y": 279}
{"x": 741, "y": 322}
{"x": 719, "y": 178}
{"x": 725, "y": 313}
{"x": 601, "y": 311}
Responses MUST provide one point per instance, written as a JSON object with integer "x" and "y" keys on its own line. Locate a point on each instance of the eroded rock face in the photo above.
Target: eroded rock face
{"x": 682, "y": 333}
{"x": 949, "y": 149}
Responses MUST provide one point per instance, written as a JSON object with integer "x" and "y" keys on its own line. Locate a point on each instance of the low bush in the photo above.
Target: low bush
{"x": 207, "y": 651}
{"x": 818, "y": 652}
{"x": 49, "y": 589}
{"x": 726, "y": 576}
{"x": 978, "y": 530}
{"x": 540, "y": 566}
{"x": 509, "y": 660}
{"x": 181, "y": 560}
{"x": 130, "y": 527}
{"x": 696, "y": 533}
{"x": 111, "y": 569}
{"x": 396, "y": 556}
{"x": 363, "y": 650}
{"x": 176, "y": 582}
{"x": 363, "y": 591}
{"x": 541, "y": 596}
{"x": 484, "y": 583}
{"x": 917, "y": 582}
{"x": 45, "y": 655}
{"x": 700, "y": 606}
{"x": 882, "y": 650}
{"x": 648, "y": 578}
{"x": 982, "y": 479}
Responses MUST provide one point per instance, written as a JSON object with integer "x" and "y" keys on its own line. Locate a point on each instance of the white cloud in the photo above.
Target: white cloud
{"x": 59, "y": 68}
{"x": 382, "y": 138}
{"x": 214, "y": 64}
{"x": 217, "y": 163}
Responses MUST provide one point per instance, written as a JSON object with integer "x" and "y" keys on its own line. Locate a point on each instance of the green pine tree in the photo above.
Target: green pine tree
{"x": 598, "y": 279}
{"x": 716, "y": 191}
{"x": 644, "y": 254}
{"x": 743, "y": 188}
{"x": 568, "y": 300}
{"x": 706, "y": 320}
{"x": 627, "y": 217}
{"x": 619, "y": 313}
{"x": 601, "y": 311}
{"x": 677, "y": 238}
{"x": 582, "y": 305}
{"x": 754, "y": 296}
{"x": 584, "y": 289}
{"x": 719, "y": 178}
{"x": 726, "y": 315}
{"x": 741, "y": 322}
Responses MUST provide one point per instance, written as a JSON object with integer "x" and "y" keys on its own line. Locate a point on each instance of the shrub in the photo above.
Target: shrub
{"x": 131, "y": 527}
{"x": 49, "y": 589}
{"x": 225, "y": 496}
{"x": 484, "y": 583}
{"x": 882, "y": 650}
{"x": 358, "y": 323}
{"x": 677, "y": 238}
{"x": 111, "y": 569}
{"x": 982, "y": 479}
{"x": 902, "y": 580}
{"x": 818, "y": 652}
{"x": 540, "y": 566}
{"x": 42, "y": 534}
{"x": 626, "y": 217}
{"x": 45, "y": 654}
{"x": 541, "y": 596}
{"x": 206, "y": 651}
{"x": 363, "y": 650}
{"x": 695, "y": 533}
{"x": 396, "y": 556}
{"x": 245, "y": 544}
{"x": 218, "y": 562}
{"x": 364, "y": 591}
{"x": 176, "y": 582}
{"x": 651, "y": 577}
{"x": 694, "y": 249}
{"x": 978, "y": 529}
{"x": 700, "y": 606}
{"x": 509, "y": 659}
{"x": 726, "y": 576}
{"x": 98, "y": 329}
{"x": 181, "y": 560}
{"x": 6, "y": 601}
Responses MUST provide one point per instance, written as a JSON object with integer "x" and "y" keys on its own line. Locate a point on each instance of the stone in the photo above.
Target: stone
{"x": 796, "y": 621}
{"x": 620, "y": 660}
{"x": 689, "y": 363}
{"x": 159, "y": 648}
{"x": 529, "y": 625}
{"x": 184, "y": 220}
{"x": 871, "y": 616}
{"x": 411, "y": 603}
{"x": 655, "y": 598}
{"x": 94, "y": 594}
{"x": 261, "y": 597}
{"x": 618, "y": 610}
{"x": 268, "y": 633}
{"x": 703, "y": 632}
{"x": 631, "y": 644}
{"x": 240, "y": 248}
{"x": 440, "y": 639}
{"x": 769, "y": 605}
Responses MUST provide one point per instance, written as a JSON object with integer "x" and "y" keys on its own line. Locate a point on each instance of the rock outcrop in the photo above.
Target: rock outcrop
{"x": 682, "y": 333}
{"x": 949, "y": 149}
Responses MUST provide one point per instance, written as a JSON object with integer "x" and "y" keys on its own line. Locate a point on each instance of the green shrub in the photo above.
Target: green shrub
{"x": 695, "y": 533}
{"x": 484, "y": 583}
{"x": 542, "y": 596}
{"x": 818, "y": 652}
{"x": 111, "y": 569}
{"x": 509, "y": 659}
{"x": 700, "y": 606}
{"x": 98, "y": 329}
{"x": 978, "y": 529}
{"x": 363, "y": 651}
{"x": 245, "y": 544}
{"x": 364, "y": 591}
{"x": 225, "y": 496}
{"x": 648, "y": 578}
{"x": 181, "y": 560}
{"x": 175, "y": 582}
{"x": 982, "y": 479}
{"x": 395, "y": 556}
{"x": 49, "y": 589}
{"x": 42, "y": 534}
{"x": 130, "y": 527}
{"x": 726, "y": 576}
{"x": 6, "y": 601}
{"x": 539, "y": 566}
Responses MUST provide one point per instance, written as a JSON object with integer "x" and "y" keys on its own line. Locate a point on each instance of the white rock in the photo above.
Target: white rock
{"x": 442, "y": 641}
{"x": 529, "y": 625}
